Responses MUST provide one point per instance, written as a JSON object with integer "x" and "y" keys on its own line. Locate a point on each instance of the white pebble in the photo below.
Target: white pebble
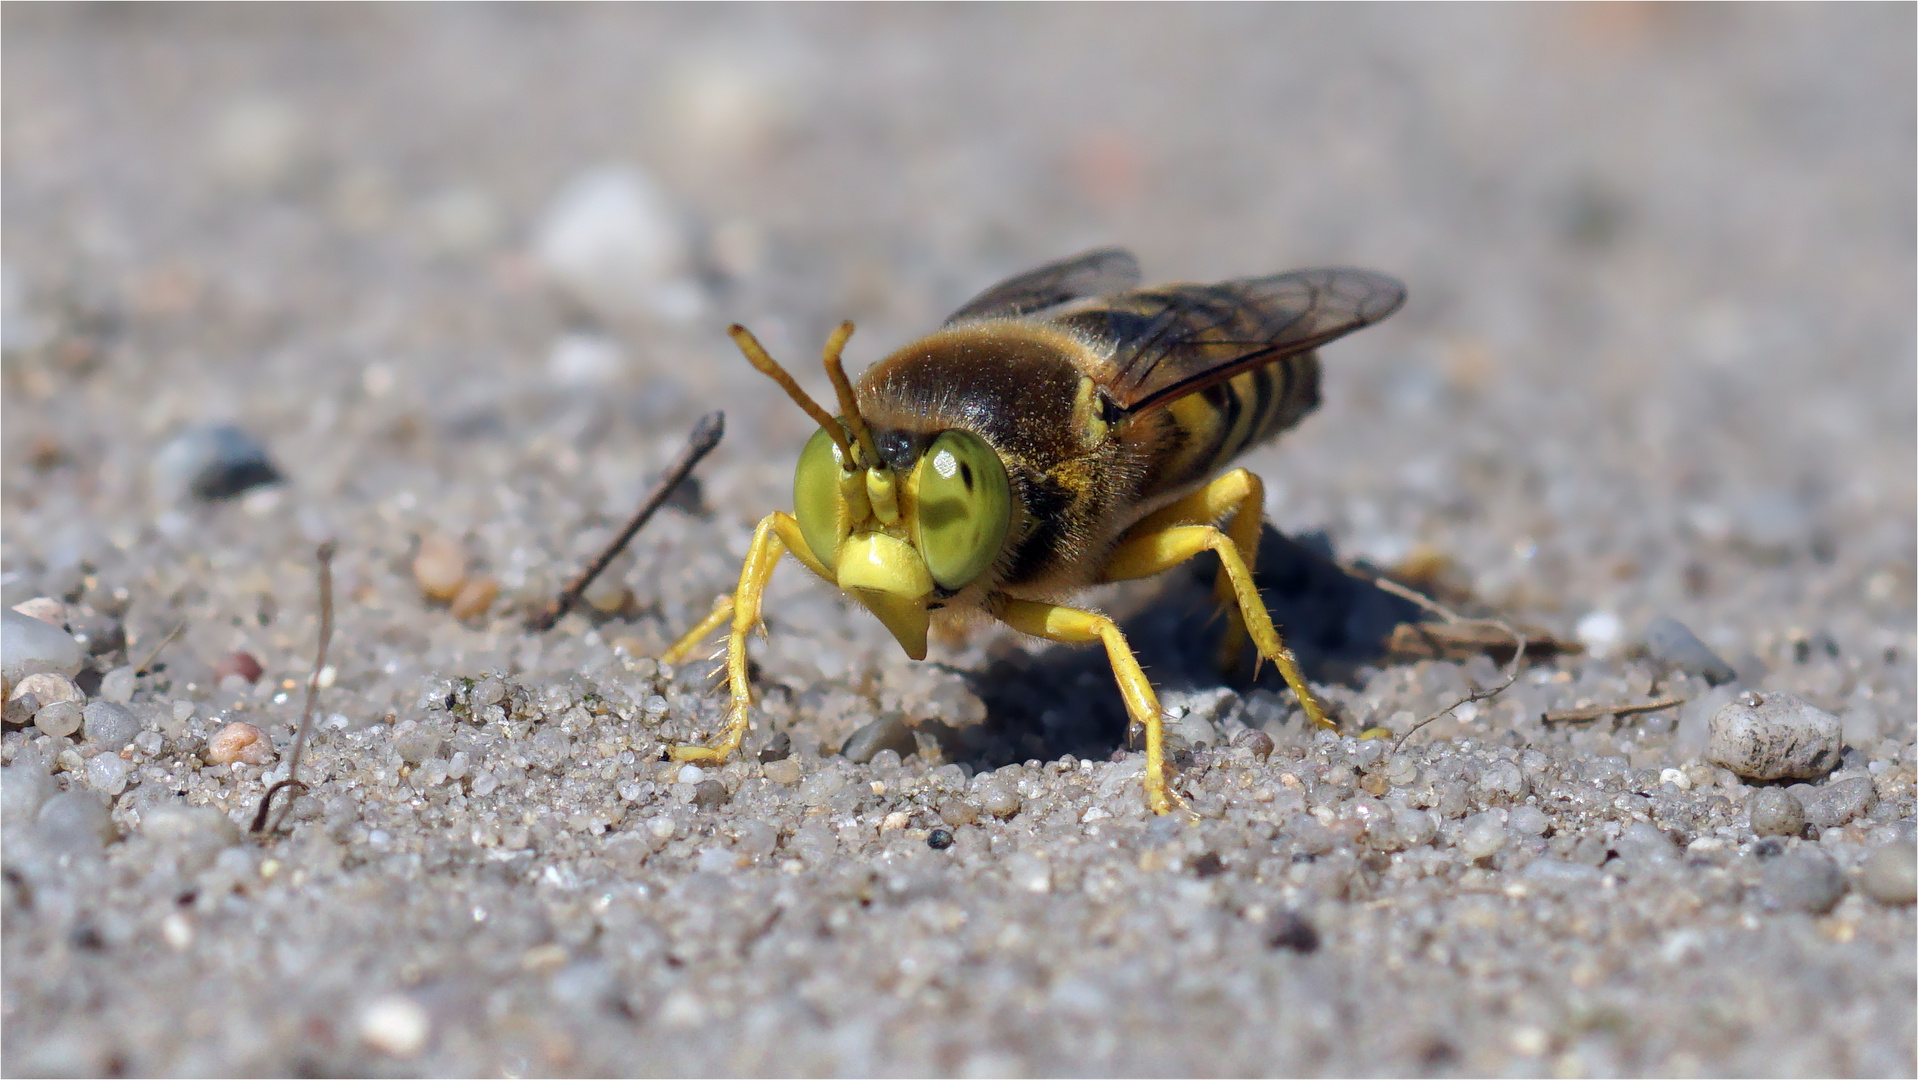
{"x": 1599, "y": 632}
{"x": 46, "y": 609}
{"x": 1484, "y": 837}
{"x": 691, "y": 774}
{"x": 1771, "y": 736}
{"x": 397, "y": 1025}
{"x": 107, "y": 773}
{"x": 1676, "y": 778}
{"x": 613, "y": 239}
{"x": 585, "y": 360}
{"x": 59, "y": 719}
{"x": 28, "y": 645}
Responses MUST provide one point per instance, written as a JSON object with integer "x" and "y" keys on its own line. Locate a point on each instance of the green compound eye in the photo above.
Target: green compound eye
{"x": 965, "y": 507}
{"x": 816, "y": 502}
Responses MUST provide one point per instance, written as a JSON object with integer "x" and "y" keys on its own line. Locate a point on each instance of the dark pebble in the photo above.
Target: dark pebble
{"x": 777, "y": 748}
{"x": 710, "y": 793}
{"x": 939, "y": 840}
{"x": 243, "y": 664}
{"x": 110, "y": 724}
{"x": 1672, "y": 643}
{"x": 1208, "y": 865}
{"x": 1290, "y": 930}
{"x": 889, "y": 732}
{"x": 215, "y": 462}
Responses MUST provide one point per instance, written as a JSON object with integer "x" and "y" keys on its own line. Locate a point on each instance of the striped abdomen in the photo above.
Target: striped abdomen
{"x": 1199, "y": 434}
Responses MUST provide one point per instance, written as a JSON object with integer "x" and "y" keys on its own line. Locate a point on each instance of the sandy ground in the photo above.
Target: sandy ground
{"x": 1657, "y": 361}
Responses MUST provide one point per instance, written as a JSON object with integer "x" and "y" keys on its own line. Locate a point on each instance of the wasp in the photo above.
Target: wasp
{"x": 1063, "y": 429}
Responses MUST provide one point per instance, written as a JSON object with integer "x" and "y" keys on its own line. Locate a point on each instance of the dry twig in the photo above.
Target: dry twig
{"x": 1450, "y": 616}
{"x": 1589, "y": 713}
{"x": 325, "y": 555}
{"x": 704, "y": 437}
{"x": 146, "y": 665}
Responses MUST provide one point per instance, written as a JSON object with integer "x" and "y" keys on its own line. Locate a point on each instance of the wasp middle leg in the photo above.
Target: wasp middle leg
{"x": 1165, "y": 539}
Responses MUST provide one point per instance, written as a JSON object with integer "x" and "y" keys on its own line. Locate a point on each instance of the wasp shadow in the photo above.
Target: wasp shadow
{"x": 1063, "y": 699}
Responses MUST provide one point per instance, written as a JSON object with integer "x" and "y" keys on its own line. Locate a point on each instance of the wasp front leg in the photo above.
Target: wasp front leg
{"x": 1055, "y": 622}
{"x": 1159, "y": 543}
{"x": 776, "y": 535}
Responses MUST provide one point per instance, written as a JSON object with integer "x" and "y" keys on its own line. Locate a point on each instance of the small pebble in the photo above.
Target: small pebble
{"x": 1775, "y": 812}
{"x": 1773, "y": 736}
{"x": 895, "y": 821}
{"x": 1890, "y": 875}
{"x": 940, "y": 840}
{"x": 710, "y": 793}
{"x": 118, "y": 685}
{"x": 1805, "y": 881}
{"x": 46, "y": 609}
{"x": 1644, "y": 843}
{"x": 1529, "y": 821}
{"x": 58, "y": 719}
{"x": 613, "y": 240}
{"x": 244, "y": 664}
{"x": 689, "y": 774}
{"x": 110, "y": 724}
{"x": 1483, "y": 837}
{"x": 75, "y": 821}
{"x": 997, "y": 798}
{"x": 107, "y": 773}
{"x": 1291, "y": 930}
{"x": 21, "y": 708}
{"x": 783, "y": 771}
{"x": 396, "y": 1025}
{"x": 1839, "y": 802}
{"x": 777, "y": 748}
{"x": 957, "y": 812}
{"x": 1672, "y": 643}
{"x": 889, "y": 732}
{"x": 1254, "y": 740}
{"x": 211, "y": 463}
{"x": 1600, "y": 633}
{"x": 28, "y": 645}
{"x": 440, "y": 567}
{"x": 239, "y": 741}
{"x": 475, "y": 598}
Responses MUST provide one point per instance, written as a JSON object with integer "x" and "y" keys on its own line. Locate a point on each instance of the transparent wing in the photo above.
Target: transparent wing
{"x": 1099, "y": 272}
{"x": 1164, "y": 343}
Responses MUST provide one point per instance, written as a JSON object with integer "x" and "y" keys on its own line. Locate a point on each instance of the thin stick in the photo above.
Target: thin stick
{"x": 1593, "y": 712}
{"x": 1429, "y": 604}
{"x": 705, "y": 436}
{"x": 155, "y": 654}
{"x": 325, "y": 555}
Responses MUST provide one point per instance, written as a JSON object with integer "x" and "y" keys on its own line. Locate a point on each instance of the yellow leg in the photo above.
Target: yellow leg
{"x": 776, "y": 535}
{"x": 683, "y": 648}
{"x": 1243, "y": 495}
{"x": 1057, "y": 623}
{"x": 723, "y": 606}
{"x": 1146, "y": 554}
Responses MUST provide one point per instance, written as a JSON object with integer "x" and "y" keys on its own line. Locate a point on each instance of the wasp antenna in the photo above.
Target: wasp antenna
{"x": 848, "y": 403}
{"x": 757, "y": 355}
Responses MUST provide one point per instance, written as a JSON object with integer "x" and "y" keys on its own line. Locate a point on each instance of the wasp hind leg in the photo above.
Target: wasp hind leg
{"x": 776, "y": 535}
{"x": 1055, "y": 622}
{"x": 1165, "y": 539}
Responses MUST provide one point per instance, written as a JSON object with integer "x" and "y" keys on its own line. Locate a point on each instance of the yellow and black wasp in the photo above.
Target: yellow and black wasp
{"x": 1063, "y": 429}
